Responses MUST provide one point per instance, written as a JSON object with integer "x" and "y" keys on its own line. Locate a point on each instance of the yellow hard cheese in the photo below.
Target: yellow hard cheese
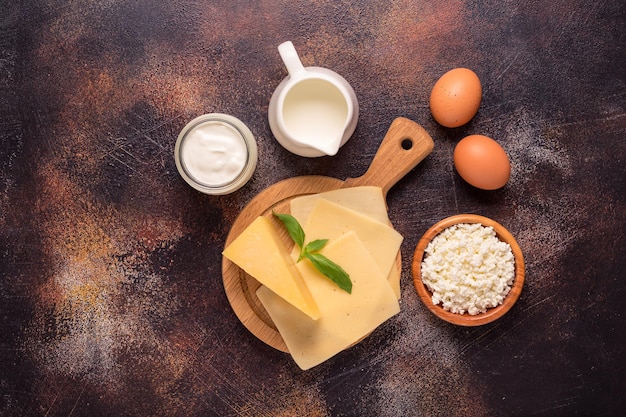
{"x": 329, "y": 221}
{"x": 260, "y": 252}
{"x": 365, "y": 200}
{"x": 344, "y": 318}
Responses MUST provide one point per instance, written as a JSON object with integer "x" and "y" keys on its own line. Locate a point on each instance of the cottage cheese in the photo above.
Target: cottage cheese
{"x": 468, "y": 269}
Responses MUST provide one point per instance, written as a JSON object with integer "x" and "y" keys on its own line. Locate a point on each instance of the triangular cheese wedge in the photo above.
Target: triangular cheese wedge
{"x": 260, "y": 252}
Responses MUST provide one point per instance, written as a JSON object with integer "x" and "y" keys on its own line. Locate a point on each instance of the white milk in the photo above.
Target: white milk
{"x": 315, "y": 111}
{"x": 214, "y": 153}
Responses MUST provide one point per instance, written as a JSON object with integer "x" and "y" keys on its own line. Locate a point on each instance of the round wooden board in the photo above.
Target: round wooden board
{"x": 404, "y": 146}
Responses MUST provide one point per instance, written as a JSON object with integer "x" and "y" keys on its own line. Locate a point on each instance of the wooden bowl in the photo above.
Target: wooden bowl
{"x": 467, "y": 319}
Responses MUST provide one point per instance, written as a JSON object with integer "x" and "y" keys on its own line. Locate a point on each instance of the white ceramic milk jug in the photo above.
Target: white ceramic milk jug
{"x": 313, "y": 111}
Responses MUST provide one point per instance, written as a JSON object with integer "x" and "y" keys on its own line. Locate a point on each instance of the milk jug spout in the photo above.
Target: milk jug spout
{"x": 328, "y": 145}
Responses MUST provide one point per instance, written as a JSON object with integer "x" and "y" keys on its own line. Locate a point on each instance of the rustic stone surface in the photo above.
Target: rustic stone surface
{"x": 110, "y": 286}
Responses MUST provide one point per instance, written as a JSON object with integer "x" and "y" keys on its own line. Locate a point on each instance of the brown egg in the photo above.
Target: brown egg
{"x": 455, "y": 97}
{"x": 482, "y": 162}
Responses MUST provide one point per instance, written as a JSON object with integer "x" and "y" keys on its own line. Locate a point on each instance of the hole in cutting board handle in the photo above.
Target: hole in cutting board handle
{"x": 407, "y": 144}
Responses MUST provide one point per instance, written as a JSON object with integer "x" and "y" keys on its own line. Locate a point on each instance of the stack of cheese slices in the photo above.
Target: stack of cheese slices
{"x": 315, "y": 318}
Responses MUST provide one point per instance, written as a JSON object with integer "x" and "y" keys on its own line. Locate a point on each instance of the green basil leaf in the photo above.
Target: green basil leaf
{"x": 331, "y": 270}
{"x": 293, "y": 228}
{"x": 311, "y": 247}
{"x": 316, "y": 245}
{"x": 327, "y": 267}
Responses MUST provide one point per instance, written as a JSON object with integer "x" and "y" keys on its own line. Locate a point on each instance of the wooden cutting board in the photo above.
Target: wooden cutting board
{"x": 404, "y": 146}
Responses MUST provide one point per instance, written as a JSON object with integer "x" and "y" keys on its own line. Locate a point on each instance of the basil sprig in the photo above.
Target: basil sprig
{"x": 310, "y": 251}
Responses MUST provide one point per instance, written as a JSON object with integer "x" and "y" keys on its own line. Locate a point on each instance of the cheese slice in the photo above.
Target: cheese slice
{"x": 366, "y": 200}
{"x": 394, "y": 281}
{"x": 344, "y": 318}
{"x": 260, "y": 252}
{"x": 329, "y": 221}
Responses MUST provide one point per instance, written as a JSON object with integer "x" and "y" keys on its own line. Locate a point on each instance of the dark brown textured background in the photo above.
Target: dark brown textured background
{"x": 111, "y": 297}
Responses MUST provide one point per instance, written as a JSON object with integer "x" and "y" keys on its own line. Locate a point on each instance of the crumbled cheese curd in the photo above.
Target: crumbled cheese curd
{"x": 468, "y": 269}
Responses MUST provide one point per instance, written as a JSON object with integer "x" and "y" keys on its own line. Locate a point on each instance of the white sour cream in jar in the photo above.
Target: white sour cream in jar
{"x": 214, "y": 153}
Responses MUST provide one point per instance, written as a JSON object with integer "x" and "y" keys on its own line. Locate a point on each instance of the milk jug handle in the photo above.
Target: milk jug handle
{"x": 290, "y": 58}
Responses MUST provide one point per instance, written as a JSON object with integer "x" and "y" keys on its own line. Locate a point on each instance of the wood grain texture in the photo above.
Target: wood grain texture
{"x": 404, "y": 146}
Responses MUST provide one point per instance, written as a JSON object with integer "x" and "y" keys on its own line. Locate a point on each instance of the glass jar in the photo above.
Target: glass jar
{"x": 216, "y": 153}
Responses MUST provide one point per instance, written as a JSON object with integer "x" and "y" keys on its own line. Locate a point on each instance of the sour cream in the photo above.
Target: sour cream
{"x": 216, "y": 154}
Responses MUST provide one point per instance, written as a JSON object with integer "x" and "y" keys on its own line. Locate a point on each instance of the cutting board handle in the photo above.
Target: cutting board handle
{"x": 404, "y": 146}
